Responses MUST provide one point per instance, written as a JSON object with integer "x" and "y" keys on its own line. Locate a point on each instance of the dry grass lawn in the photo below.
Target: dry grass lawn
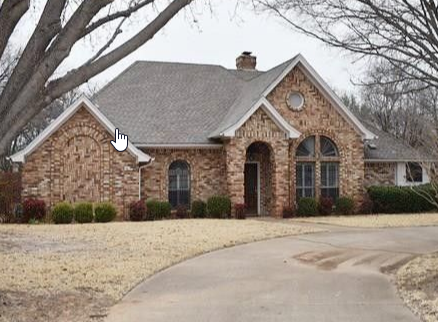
{"x": 75, "y": 272}
{"x": 417, "y": 283}
{"x": 377, "y": 221}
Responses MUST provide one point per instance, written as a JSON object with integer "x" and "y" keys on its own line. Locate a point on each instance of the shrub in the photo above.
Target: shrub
{"x": 326, "y": 206}
{"x": 198, "y": 209}
{"x": 219, "y": 207}
{"x": 181, "y": 212}
{"x": 307, "y": 207}
{"x": 33, "y": 209}
{"x": 105, "y": 212}
{"x": 288, "y": 212}
{"x": 152, "y": 208}
{"x": 401, "y": 199}
{"x": 62, "y": 213}
{"x": 83, "y": 212}
{"x": 239, "y": 209}
{"x": 137, "y": 211}
{"x": 158, "y": 209}
{"x": 344, "y": 206}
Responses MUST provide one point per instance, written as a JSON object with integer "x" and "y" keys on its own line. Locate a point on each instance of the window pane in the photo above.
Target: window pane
{"x": 328, "y": 147}
{"x": 305, "y": 180}
{"x": 307, "y": 147}
{"x": 309, "y": 177}
{"x": 179, "y": 184}
{"x": 330, "y": 180}
{"x": 414, "y": 172}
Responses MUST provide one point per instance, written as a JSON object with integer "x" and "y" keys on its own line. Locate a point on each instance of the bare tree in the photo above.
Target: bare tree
{"x": 404, "y": 33}
{"x": 34, "y": 81}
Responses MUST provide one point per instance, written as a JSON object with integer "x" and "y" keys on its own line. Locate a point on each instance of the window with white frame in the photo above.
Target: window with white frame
{"x": 330, "y": 180}
{"x": 305, "y": 173}
{"x": 327, "y": 159}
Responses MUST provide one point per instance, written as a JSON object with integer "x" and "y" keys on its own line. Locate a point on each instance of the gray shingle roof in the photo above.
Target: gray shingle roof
{"x": 177, "y": 103}
{"x": 172, "y": 103}
{"x": 389, "y": 148}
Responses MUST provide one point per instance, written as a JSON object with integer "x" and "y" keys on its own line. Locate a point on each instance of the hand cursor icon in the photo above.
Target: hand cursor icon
{"x": 121, "y": 142}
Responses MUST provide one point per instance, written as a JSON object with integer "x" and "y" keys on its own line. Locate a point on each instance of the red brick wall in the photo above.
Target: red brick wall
{"x": 380, "y": 174}
{"x": 319, "y": 117}
{"x": 78, "y": 163}
{"x": 207, "y": 171}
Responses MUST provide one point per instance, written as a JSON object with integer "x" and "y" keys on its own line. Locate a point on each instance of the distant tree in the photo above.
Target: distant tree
{"x": 403, "y": 33}
{"x": 35, "y": 79}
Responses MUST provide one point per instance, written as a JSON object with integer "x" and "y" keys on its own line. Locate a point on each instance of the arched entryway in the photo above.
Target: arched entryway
{"x": 258, "y": 179}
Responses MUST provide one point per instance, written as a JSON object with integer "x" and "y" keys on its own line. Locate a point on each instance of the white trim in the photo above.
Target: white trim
{"x": 290, "y": 131}
{"x": 83, "y": 101}
{"x": 258, "y": 185}
{"x": 400, "y": 175}
{"x": 181, "y": 145}
{"x": 325, "y": 89}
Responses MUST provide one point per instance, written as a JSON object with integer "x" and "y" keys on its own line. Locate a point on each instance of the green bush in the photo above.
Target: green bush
{"x": 84, "y": 212}
{"x": 198, "y": 209}
{"x": 157, "y": 210}
{"x": 105, "y": 212}
{"x": 219, "y": 207}
{"x": 344, "y": 206}
{"x": 62, "y": 213}
{"x": 307, "y": 207}
{"x": 401, "y": 199}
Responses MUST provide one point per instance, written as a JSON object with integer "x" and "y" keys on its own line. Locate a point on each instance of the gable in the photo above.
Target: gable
{"x": 260, "y": 88}
{"x": 82, "y": 105}
{"x": 317, "y": 112}
{"x": 260, "y": 125}
{"x": 320, "y": 87}
{"x": 270, "y": 114}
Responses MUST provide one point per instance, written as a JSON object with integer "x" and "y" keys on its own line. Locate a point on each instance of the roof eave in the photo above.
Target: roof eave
{"x": 83, "y": 101}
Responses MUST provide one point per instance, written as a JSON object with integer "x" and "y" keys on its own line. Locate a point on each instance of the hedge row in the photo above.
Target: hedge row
{"x": 392, "y": 200}
{"x": 215, "y": 207}
{"x": 325, "y": 206}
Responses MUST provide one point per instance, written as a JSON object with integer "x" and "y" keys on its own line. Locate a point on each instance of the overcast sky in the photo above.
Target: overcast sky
{"x": 219, "y": 37}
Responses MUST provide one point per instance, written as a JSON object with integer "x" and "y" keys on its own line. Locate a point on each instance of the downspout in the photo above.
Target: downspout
{"x": 139, "y": 176}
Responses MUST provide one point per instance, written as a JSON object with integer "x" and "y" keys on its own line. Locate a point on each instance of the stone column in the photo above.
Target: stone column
{"x": 280, "y": 178}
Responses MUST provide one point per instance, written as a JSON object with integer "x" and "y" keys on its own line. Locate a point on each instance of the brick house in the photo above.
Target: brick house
{"x": 262, "y": 138}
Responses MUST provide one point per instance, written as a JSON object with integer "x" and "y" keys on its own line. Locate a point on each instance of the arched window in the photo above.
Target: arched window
{"x": 179, "y": 184}
{"x": 327, "y": 185}
{"x": 307, "y": 148}
{"x": 328, "y": 147}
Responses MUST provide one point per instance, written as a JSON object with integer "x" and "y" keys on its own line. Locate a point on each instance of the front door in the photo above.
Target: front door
{"x": 251, "y": 188}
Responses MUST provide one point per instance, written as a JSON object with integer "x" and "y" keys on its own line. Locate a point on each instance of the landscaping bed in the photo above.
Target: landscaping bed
{"x": 417, "y": 283}
{"x": 75, "y": 272}
{"x": 376, "y": 221}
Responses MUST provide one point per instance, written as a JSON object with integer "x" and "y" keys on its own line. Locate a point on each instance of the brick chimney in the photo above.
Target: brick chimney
{"x": 246, "y": 61}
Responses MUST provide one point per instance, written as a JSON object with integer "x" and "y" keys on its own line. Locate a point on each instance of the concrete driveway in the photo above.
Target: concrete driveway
{"x": 342, "y": 275}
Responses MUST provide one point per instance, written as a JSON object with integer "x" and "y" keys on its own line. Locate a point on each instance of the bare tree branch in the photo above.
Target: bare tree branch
{"x": 85, "y": 72}
{"x": 121, "y": 14}
{"x": 31, "y": 85}
{"x": 11, "y": 12}
{"x": 402, "y": 32}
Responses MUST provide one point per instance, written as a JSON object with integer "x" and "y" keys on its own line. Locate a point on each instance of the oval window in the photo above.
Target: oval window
{"x": 295, "y": 101}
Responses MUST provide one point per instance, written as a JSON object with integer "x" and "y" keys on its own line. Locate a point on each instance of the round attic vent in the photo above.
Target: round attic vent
{"x": 295, "y": 100}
